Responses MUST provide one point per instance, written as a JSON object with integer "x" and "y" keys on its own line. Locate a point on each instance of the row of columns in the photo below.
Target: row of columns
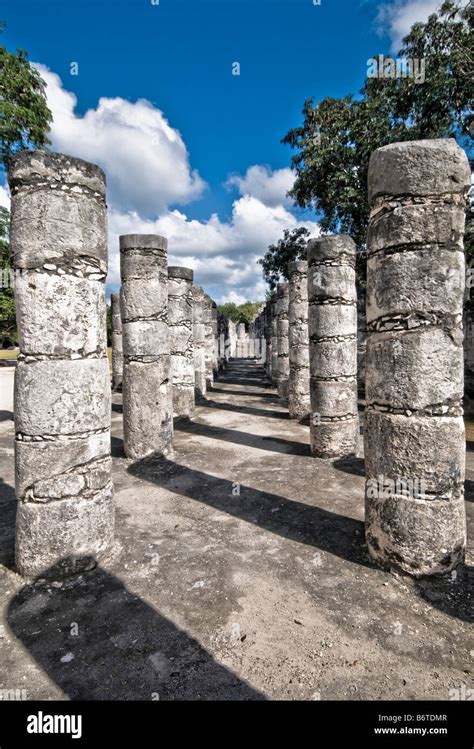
{"x": 411, "y": 351}
{"x": 171, "y": 352}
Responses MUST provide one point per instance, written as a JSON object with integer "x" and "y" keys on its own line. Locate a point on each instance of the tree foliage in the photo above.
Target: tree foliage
{"x": 24, "y": 113}
{"x": 337, "y": 136}
{"x": 8, "y": 330}
{"x": 240, "y": 313}
{"x": 291, "y": 247}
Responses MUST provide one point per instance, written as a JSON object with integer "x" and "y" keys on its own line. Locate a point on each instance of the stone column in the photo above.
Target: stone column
{"x": 199, "y": 335}
{"x": 215, "y": 341}
{"x": 117, "y": 348}
{"x": 334, "y": 423}
{"x": 274, "y": 342}
{"x": 414, "y": 431}
{"x": 283, "y": 348}
{"x": 298, "y": 383}
{"x": 209, "y": 341}
{"x": 268, "y": 340}
{"x": 147, "y": 400}
{"x": 180, "y": 313}
{"x": 65, "y": 515}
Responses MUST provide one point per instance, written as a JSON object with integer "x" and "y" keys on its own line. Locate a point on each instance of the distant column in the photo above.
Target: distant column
{"x": 199, "y": 335}
{"x": 298, "y": 384}
{"x": 333, "y": 346}
{"x": 117, "y": 348}
{"x": 180, "y": 312}
{"x": 283, "y": 371}
{"x": 274, "y": 341}
{"x": 147, "y": 400}
{"x": 65, "y": 515}
{"x": 414, "y": 430}
{"x": 209, "y": 341}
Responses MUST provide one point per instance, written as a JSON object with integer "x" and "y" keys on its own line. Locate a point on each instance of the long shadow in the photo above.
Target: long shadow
{"x": 350, "y": 464}
{"x": 469, "y": 490}
{"x": 246, "y": 393}
{"x": 452, "y": 594}
{"x": 272, "y": 444}
{"x": 246, "y": 410}
{"x": 8, "y": 506}
{"x": 307, "y": 524}
{"x": 98, "y": 641}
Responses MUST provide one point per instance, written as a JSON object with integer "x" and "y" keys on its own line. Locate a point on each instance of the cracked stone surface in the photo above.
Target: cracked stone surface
{"x": 62, "y": 381}
{"x": 147, "y": 396}
{"x": 333, "y": 346}
{"x": 180, "y": 314}
{"x": 299, "y": 405}
{"x": 117, "y": 347}
{"x": 415, "y": 361}
{"x": 240, "y": 572}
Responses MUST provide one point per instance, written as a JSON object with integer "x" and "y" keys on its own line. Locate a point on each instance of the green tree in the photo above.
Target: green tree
{"x": 291, "y": 247}
{"x": 24, "y": 113}
{"x": 8, "y": 330}
{"x": 337, "y": 136}
{"x": 240, "y": 313}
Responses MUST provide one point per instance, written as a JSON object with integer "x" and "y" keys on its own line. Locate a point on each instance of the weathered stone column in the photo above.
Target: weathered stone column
{"x": 414, "y": 431}
{"x": 147, "y": 400}
{"x": 298, "y": 383}
{"x": 268, "y": 340}
{"x": 65, "y": 515}
{"x": 283, "y": 348}
{"x": 209, "y": 342}
{"x": 180, "y": 313}
{"x": 274, "y": 341}
{"x": 199, "y": 335}
{"x": 117, "y": 348}
{"x": 215, "y": 341}
{"x": 334, "y": 423}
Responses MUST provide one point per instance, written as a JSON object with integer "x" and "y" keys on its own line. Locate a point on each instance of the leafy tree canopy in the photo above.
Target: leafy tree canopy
{"x": 24, "y": 113}
{"x": 291, "y": 247}
{"x": 240, "y": 313}
{"x": 337, "y": 136}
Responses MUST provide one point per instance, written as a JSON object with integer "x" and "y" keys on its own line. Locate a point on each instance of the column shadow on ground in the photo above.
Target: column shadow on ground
{"x": 221, "y": 405}
{"x": 8, "y": 506}
{"x": 296, "y": 521}
{"x": 123, "y": 650}
{"x": 272, "y": 444}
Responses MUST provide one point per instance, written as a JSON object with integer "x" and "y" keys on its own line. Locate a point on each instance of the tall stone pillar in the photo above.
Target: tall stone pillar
{"x": 199, "y": 335}
{"x": 209, "y": 341}
{"x": 268, "y": 340}
{"x": 283, "y": 348}
{"x": 298, "y": 383}
{"x": 180, "y": 313}
{"x": 334, "y": 423}
{"x": 414, "y": 431}
{"x": 65, "y": 515}
{"x": 274, "y": 341}
{"x": 215, "y": 341}
{"x": 117, "y": 348}
{"x": 147, "y": 399}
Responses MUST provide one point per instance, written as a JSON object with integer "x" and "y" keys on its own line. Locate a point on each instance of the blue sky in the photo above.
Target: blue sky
{"x": 200, "y": 160}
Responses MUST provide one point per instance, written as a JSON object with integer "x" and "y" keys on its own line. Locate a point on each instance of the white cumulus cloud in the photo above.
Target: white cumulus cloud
{"x": 149, "y": 174}
{"x": 145, "y": 159}
{"x": 270, "y": 187}
{"x": 396, "y": 19}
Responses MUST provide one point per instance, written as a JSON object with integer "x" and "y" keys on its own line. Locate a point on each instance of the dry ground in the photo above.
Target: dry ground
{"x": 240, "y": 572}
